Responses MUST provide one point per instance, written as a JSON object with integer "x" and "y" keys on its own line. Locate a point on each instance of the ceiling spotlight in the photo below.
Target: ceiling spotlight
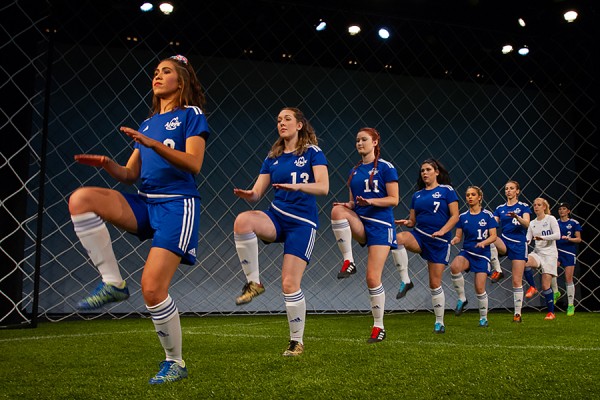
{"x": 146, "y": 7}
{"x": 384, "y": 33}
{"x": 353, "y": 29}
{"x": 522, "y": 22}
{"x": 570, "y": 16}
{"x": 321, "y": 25}
{"x": 523, "y": 51}
{"x": 507, "y": 48}
{"x": 166, "y": 8}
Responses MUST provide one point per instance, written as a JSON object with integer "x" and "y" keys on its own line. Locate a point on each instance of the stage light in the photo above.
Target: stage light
{"x": 522, "y": 22}
{"x": 570, "y": 16}
{"x": 384, "y": 33}
{"x": 146, "y": 7}
{"x": 507, "y": 48}
{"x": 353, "y": 29}
{"x": 524, "y": 51}
{"x": 321, "y": 25}
{"x": 166, "y": 8}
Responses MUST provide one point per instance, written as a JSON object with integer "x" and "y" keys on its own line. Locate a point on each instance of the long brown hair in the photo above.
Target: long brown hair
{"x": 375, "y": 136}
{"x": 306, "y": 136}
{"x": 191, "y": 93}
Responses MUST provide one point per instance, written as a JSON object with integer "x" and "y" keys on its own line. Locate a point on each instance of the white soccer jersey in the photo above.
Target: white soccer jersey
{"x": 547, "y": 228}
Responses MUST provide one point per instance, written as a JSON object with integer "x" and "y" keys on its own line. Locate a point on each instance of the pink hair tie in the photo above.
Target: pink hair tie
{"x": 181, "y": 58}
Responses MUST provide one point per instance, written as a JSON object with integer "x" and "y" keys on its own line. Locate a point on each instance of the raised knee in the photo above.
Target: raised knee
{"x": 78, "y": 201}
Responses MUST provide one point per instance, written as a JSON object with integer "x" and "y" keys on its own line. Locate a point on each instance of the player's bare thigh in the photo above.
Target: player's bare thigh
{"x": 109, "y": 204}
{"x": 257, "y": 222}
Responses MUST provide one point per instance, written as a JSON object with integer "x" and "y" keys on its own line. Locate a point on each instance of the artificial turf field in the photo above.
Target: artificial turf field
{"x": 239, "y": 357}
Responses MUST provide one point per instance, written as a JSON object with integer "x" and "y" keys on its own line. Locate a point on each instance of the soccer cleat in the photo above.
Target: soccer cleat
{"x": 531, "y": 292}
{"x": 294, "y": 349}
{"x": 483, "y": 323}
{"x": 460, "y": 307}
{"x": 496, "y": 276}
{"x": 550, "y": 316}
{"x": 517, "y": 318}
{"x": 348, "y": 268}
{"x": 103, "y": 294}
{"x": 377, "y": 335}
{"x": 169, "y": 371}
{"x": 249, "y": 291}
{"x": 404, "y": 288}
{"x": 439, "y": 328}
{"x": 570, "y": 310}
{"x": 556, "y": 296}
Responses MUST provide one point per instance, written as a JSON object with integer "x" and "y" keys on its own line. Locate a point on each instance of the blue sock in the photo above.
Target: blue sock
{"x": 549, "y": 296}
{"x": 528, "y": 273}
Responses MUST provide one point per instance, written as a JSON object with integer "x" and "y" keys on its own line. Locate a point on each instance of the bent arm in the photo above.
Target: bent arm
{"x": 392, "y": 198}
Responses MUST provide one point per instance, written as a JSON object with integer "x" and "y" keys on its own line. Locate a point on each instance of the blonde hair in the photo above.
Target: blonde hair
{"x": 546, "y": 205}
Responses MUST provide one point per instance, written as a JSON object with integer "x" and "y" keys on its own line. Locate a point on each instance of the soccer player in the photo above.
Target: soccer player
{"x": 477, "y": 228}
{"x": 296, "y": 168}
{"x": 368, "y": 217}
{"x": 570, "y": 237}
{"x": 433, "y": 214}
{"x": 168, "y": 153}
{"x": 513, "y": 217}
{"x": 545, "y": 232}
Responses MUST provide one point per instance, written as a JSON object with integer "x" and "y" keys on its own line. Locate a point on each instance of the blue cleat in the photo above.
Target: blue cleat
{"x": 439, "y": 328}
{"x": 483, "y": 323}
{"x": 170, "y": 371}
{"x": 103, "y": 294}
{"x": 404, "y": 288}
{"x": 460, "y": 307}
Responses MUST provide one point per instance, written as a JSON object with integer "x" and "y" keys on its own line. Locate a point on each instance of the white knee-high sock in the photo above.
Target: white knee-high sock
{"x": 246, "y": 245}
{"x": 400, "y": 257}
{"x": 518, "y": 299}
{"x": 438, "y": 301}
{"x": 343, "y": 237}
{"x": 482, "y": 300}
{"x": 295, "y": 307}
{"x": 165, "y": 317}
{"x": 570, "y": 293}
{"x": 458, "y": 281}
{"x": 494, "y": 261}
{"x": 377, "y": 297}
{"x": 95, "y": 238}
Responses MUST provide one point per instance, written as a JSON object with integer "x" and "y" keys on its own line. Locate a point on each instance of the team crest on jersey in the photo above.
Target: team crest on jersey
{"x": 436, "y": 195}
{"x": 569, "y": 226}
{"x": 373, "y": 171}
{"x": 300, "y": 162}
{"x": 482, "y": 223}
{"x": 172, "y": 124}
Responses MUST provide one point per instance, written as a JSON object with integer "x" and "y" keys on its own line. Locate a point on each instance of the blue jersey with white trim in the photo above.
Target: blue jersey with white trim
{"x": 568, "y": 228}
{"x": 173, "y": 128}
{"x": 359, "y": 185}
{"x": 511, "y": 227}
{"x": 432, "y": 208}
{"x": 292, "y": 168}
{"x": 476, "y": 228}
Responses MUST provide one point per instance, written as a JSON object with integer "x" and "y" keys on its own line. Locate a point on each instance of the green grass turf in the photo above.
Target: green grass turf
{"x": 239, "y": 357}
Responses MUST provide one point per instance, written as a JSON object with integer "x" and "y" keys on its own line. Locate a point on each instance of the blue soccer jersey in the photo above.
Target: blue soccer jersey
{"x": 511, "y": 228}
{"x": 292, "y": 168}
{"x": 568, "y": 228}
{"x": 431, "y": 208}
{"x": 359, "y": 185}
{"x": 158, "y": 176}
{"x": 475, "y": 228}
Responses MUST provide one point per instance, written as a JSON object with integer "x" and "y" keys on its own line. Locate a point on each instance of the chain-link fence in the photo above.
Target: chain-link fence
{"x": 74, "y": 72}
